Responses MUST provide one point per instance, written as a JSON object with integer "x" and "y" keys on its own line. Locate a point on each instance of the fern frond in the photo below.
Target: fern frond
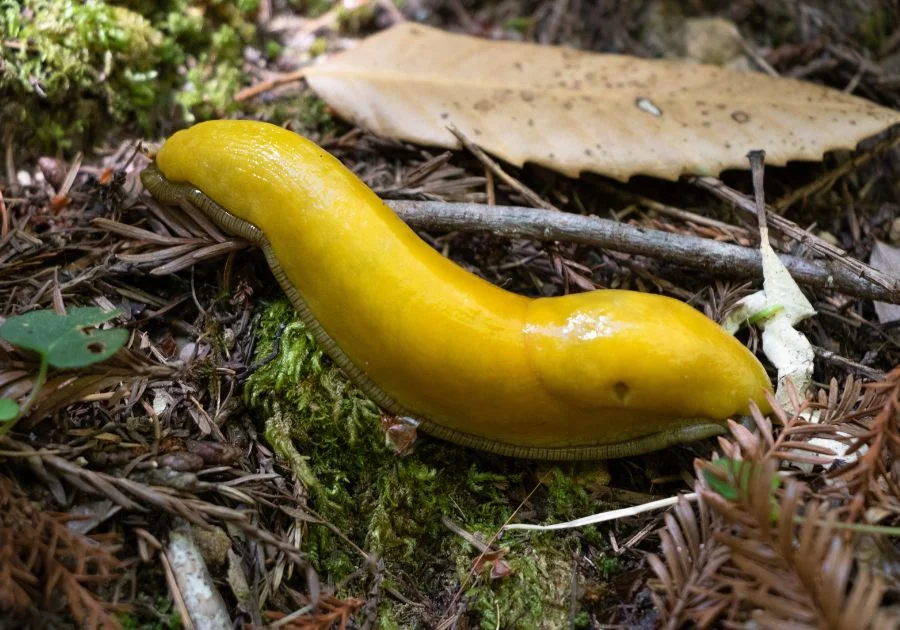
{"x": 41, "y": 559}
{"x": 767, "y": 548}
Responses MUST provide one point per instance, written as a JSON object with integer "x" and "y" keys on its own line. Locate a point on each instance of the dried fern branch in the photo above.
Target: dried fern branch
{"x": 41, "y": 560}
{"x": 789, "y": 556}
{"x": 686, "y": 586}
{"x": 873, "y": 476}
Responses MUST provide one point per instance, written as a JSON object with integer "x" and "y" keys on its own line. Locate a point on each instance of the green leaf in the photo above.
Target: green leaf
{"x": 735, "y": 482}
{"x": 9, "y": 409}
{"x": 765, "y": 314}
{"x": 65, "y": 340}
{"x": 723, "y": 487}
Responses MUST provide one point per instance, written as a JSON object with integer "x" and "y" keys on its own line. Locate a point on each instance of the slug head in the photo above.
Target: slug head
{"x": 628, "y": 350}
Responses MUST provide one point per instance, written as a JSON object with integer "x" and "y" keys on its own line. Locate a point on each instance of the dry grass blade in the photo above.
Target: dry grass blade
{"x": 136, "y": 233}
{"x": 198, "y": 255}
{"x": 576, "y": 111}
{"x": 181, "y": 238}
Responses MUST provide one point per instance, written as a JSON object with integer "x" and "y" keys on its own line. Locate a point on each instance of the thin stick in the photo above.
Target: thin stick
{"x": 10, "y": 162}
{"x": 794, "y": 231}
{"x": 4, "y": 218}
{"x": 832, "y": 357}
{"x": 532, "y": 197}
{"x": 757, "y": 167}
{"x": 758, "y": 59}
{"x": 678, "y": 213}
{"x": 269, "y": 84}
{"x": 691, "y": 251}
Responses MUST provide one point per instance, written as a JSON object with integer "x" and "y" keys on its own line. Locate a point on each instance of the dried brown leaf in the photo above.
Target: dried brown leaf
{"x": 575, "y": 111}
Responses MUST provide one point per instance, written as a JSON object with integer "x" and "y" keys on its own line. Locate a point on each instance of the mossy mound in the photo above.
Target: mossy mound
{"x": 395, "y": 506}
{"x": 72, "y": 70}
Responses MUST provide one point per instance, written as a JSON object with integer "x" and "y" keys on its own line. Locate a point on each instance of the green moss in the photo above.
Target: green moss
{"x": 523, "y": 25}
{"x": 582, "y": 620}
{"x": 66, "y": 63}
{"x": 306, "y": 113}
{"x": 319, "y": 46}
{"x": 354, "y": 21}
{"x": 273, "y": 49}
{"x": 609, "y": 566}
{"x": 209, "y": 87}
{"x": 874, "y": 27}
{"x": 394, "y": 506}
{"x": 536, "y": 593}
{"x": 162, "y": 615}
{"x": 313, "y": 114}
{"x": 312, "y": 8}
{"x": 73, "y": 70}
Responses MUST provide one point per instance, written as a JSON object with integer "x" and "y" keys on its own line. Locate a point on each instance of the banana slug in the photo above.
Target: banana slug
{"x": 594, "y": 375}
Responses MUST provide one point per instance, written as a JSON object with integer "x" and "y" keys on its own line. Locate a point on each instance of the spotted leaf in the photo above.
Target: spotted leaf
{"x": 576, "y": 111}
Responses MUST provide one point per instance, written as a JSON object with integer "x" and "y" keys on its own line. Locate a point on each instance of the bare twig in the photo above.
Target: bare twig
{"x": 532, "y": 197}
{"x": 4, "y": 218}
{"x": 671, "y": 211}
{"x": 757, "y": 58}
{"x": 844, "y": 362}
{"x": 691, "y": 251}
{"x": 713, "y": 256}
{"x": 269, "y": 84}
{"x": 794, "y": 231}
{"x": 557, "y": 13}
{"x": 10, "y": 161}
{"x": 470, "y": 538}
{"x": 757, "y": 167}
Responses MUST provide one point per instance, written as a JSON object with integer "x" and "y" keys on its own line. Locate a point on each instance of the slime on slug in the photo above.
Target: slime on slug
{"x": 594, "y": 375}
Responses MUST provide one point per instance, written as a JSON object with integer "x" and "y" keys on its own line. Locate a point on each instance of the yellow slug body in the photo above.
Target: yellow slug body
{"x": 600, "y": 374}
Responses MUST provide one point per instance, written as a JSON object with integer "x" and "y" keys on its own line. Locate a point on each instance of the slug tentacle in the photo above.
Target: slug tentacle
{"x": 587, "y": 376}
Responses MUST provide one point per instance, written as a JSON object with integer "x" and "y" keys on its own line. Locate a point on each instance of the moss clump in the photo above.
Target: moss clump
{"x": 305, "y": 113}
{"x": 65, "y": 64}
{"x": 535, "y": 595}
{"x": 874, "y": 27}
{"x": 394, "y": 506}
{"x": 312, "y": 8}
{"x": 70, "y": 68}
{"x": 311, "y": 115}
{"x": 523, "y": 25}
